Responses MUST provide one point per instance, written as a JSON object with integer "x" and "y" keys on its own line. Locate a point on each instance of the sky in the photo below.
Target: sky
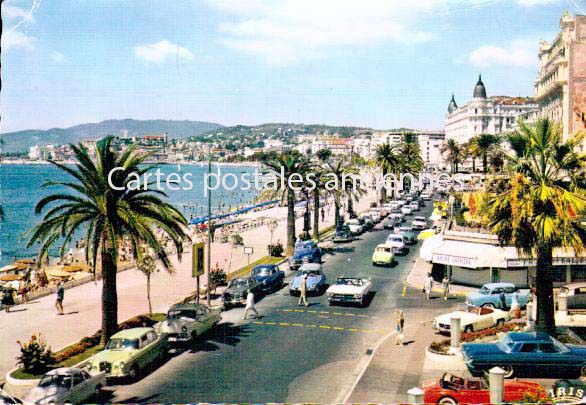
{"x": 375, "y": 63}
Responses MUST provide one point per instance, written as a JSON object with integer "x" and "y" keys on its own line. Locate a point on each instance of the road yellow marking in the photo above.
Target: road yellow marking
{"x": 271, "y": 323}
{"x": 324, "y": 327}
{"x": 284, "y": 324}
{"x": 338, "y": 328}
{"x": 286, "y": 310}
{"x": 296, "y": 324}
{"x": 349, "y": 314}
{"x": 363, "y": 316}
{"x": 352, "y": 330}
{"x": 298, "y": 310}
{"x": 258, "y": 323}
{"x": 311, "y": 326}
{"x": 323, "y": 312}
{"x": 404, "y": 291}
{"x": 313, "y": 312}
{"x": 337, "y": 313}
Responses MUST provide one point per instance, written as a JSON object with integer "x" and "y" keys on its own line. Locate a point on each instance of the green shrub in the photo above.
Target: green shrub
{"x": 305, "y": 236}
{"x": 217, "y": 278}
{"x": 276, "y": 250}
{"x": 35, "y": 357}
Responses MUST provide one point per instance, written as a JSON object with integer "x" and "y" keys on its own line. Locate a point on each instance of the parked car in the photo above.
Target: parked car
{"x": 343, "y": 235}
{"x": 390, "y": 222}
{"x": 6, "y": 399}
{"x": 375, "y": 215}
{"x": 576, "y": 295}
{"x": 419, "y": 223}
{"x": 349, "y": 289}
{"x": 128, "y": 352}
{"x": 186, "y": 322}
{"x": 269, "y": 276}
{"x": 414, "y": 205}
{"x": 489, "y": 295}
{"x": 66, "y": 385}
{"x": 368, "y": 221}
{"x": 316, "y": 279}
{"x": 472, "y": 320}
{"x": 406, "y": 210}
{"x": 408, "y": 234}
{"x": 450, "y": 389}
{"x": 426, "y": 196}
{"x": 426, "y": 233}
{"x": 237, "y": 291}
{"x": 383, "y": 255}
{"x": 529, "y": 353}
{"x": 355, "y": 227}
{"x": 305, "y": 252}
{"x": 397, "y": 242}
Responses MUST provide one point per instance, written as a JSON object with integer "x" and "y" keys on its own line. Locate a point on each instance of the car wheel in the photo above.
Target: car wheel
{"x": 468, "y": 329}
{"x": 499, "y": 322}
{"x": 447, "y": 400}
{"x": 374, "y": 264}
{"x": 508, "y": 369}
{"x": 291, "y": 293}
{"x": 488, "y": 305}
{"x": 68, "y": 402}
{"x": 362, "y": 301}
{"x": 133, "y": 373}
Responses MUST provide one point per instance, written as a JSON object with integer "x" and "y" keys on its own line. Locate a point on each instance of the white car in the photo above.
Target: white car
{"x": 406, "y": 210}
{"x": 419, "y": 223}
{"x": 426, "y": 196}
{"x": 375, "y": 215}
{"x": 349, "y": 289}
{"x": 414, "y": 205}
{"x": 67, "y": 385}
{"x": 397, "y": 241}
{"x": 354, "y": 226}
{"x": 473, "y": 320}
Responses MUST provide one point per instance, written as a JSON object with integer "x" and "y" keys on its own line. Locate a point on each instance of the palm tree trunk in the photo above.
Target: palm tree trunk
{"x": 383, "y": 191}
{"x": 545, "y": 321}
{"x": 485, "y": 162}
{"x": 473, "y": 165}
{"x": 149, "y": 294}
{"x": 337, "y": 213}
{"x": 290, "y": 221}
{"x": 351, "y": 208}
{"x": 109, "y": 294}
{"x": 316, "y": 215}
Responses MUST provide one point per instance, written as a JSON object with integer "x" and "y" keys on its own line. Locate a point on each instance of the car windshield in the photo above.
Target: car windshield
{"x": 262, "y": 271}
{"x": 383, "y": 249}
{"x": 239, "y": 282}
{"x": 183, "y": 313}
{"x": 63, "y": 381}
{"x": 505, "y": 344}
{"x": 310, "y": 273}
{"x": 122, "y": 344}
{"x": 349, "y": 281}
{"x": 394, "y": 239}
{"x": 484, "y": 290}
{"x": 564, "y": 290}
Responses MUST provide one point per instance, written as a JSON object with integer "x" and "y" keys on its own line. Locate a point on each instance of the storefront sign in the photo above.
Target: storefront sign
{"x": 557, "y": 261}
{"x": 455, "y": 260}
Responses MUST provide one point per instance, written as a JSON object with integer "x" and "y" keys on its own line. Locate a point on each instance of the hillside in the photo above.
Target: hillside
{"x": 21, "y": 141}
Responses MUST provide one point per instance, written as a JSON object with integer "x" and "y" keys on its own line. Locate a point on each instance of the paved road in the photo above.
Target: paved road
{"x": 292, "y": 354}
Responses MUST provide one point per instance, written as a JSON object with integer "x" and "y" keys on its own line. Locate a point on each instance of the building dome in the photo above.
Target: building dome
{"x": 479, "y": 89}
{"x": 452, "y": 106}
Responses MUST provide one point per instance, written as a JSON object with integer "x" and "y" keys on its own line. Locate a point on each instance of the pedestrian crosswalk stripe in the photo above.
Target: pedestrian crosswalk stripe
{"x": 336, "y": 328}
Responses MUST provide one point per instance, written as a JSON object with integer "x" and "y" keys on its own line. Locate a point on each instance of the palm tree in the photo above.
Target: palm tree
{"x": 482, "y": 146}
{"x": 108, "y": 214}
{"x": 323, "y": 155}
{"x": 388, "y": 158}
{"x": 292, "y": 166}
{"x": 340, "y": 172}
{"x": 410, "y": 154}
{"x": 536, "y": 209}
{"x": 454, "y": 154}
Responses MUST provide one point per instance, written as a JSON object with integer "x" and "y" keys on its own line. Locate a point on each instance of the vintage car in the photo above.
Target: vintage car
{"x": 269, "y": 277}
{"x": 408, "y": 234}
{"x": 406, "y": 209}
{"x": 305, "y": 252}
{"x": 355, "y": 227}
{"x": 390, "y": 222}
{"x": 419, "y": 223}
{"x": 343, "y": 235}
{"x": 367, "y": 219}
{"x": 185, "y": 322}
{"x": 397, "y": 241}
{"x": 375, "y": 215}
{"x": 489, "y": 295}
{"x": 383, "y": 255}
{"x": 315, "y": 282}
{"x": 450, "y": 389}
{"x": 237, "y": 291}
{"x": 575, "y": 295}
{"x": 426, "y": 233}
{"x": 527, "y": 353}
{"x": 349, "y": 289}
{"x": 7, "y": 399}
{"x": 472, "y": 320}
{"x": 67, "y": 385}
{"x": 414, "y": 205}
{"x": 128, "y": 352}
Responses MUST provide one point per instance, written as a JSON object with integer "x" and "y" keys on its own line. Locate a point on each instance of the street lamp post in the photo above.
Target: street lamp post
{"x": 209, "y": 264}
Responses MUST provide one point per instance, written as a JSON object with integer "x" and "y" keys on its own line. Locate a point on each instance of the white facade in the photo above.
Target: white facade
{"x": 486, "y": 115}
{"x": 34, "y": 152}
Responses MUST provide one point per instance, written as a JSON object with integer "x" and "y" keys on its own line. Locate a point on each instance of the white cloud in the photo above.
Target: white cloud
{"x": 519, "y": 53}
{"x": 160, "y": 51}
{"x": 285, "y": 31}
{"x": 58, "y": 57}
{"x": 13, "y": 12}
{"x": 17, "y": 40}
{"x": 531, "y": 3}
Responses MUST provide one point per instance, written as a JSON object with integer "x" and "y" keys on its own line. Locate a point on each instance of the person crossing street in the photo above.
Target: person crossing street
{"x": 250, "y": 305}
{"x": 303, "y": 291}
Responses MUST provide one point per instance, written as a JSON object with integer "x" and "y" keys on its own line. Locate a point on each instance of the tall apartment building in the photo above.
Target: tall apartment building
{"x": 560, "y": 87}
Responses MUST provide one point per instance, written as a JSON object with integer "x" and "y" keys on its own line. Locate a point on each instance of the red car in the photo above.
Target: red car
{"x": 456, "y": 390}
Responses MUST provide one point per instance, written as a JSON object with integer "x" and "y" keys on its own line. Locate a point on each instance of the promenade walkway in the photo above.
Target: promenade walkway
{"x": 83, "y": 303}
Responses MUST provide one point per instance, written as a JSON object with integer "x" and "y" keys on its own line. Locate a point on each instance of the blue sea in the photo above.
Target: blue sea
{"x": 21, "y": 188}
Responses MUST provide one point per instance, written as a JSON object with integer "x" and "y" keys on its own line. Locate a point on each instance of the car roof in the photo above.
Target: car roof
{"x": 310, "y": 266}
{"x": 419, "y": 218}
{"x": 398, "y": 235}
{"x": 494, "y": 285}
{"x": 132, "y": 333}
{"x": 63, "y": 371}
{"x": 188, "y": 305}
{"x": 575, "y": 285}
{"x": 528, "y": 336}
{"x": 260, "y": 266}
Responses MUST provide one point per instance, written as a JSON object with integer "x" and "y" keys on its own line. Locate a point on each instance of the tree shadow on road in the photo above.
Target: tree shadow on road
{"x": 224, "y": 333}
{"x": 338, "y": 249}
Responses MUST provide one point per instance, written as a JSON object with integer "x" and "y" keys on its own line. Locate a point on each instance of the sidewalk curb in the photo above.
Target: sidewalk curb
{"x": 419, "y": 286}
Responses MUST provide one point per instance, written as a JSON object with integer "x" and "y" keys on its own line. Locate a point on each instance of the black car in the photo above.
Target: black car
{"x": 268, "y": 276}
{"x": 237, "y": 291}
{"x": 343, "y": 235}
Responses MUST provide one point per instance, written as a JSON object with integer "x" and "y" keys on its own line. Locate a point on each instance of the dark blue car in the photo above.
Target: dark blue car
{"x": 268, "y": 276}
{"x": 527, "y": 353}
{"x": 305, "y": 252}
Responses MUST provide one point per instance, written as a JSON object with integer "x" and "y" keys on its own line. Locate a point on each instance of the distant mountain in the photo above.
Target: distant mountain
{"x": 21, "y": 141}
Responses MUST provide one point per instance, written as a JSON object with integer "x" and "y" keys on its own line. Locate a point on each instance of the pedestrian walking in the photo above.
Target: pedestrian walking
{"x": 250, "y": 305}
{"x": 323, "y": 214}
{"x": 23, "y": 290}
{"x": 515, "y": 306}
{"x": 60, "y": 295}
{"x": 8, "y": 298}
{"x": 503, "y": 301}
{"x": 446, "y": 287}
{"x": 428, "y": 286}
{"x": 303, "y": 291}
{"x": 399, "y": 328}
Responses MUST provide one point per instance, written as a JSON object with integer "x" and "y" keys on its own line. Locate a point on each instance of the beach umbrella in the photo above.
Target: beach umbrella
{"x": 26, "y": 261}
{"x": 10, "y": 277}
{"x": 10, "y": 267}
{"x": 21, "y": 266}
{"x": 57, "y": 273}
{"x": 72, "y": 268}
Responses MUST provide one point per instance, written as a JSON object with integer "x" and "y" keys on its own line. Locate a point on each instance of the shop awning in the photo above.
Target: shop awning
{"x": 469, "y": 255}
